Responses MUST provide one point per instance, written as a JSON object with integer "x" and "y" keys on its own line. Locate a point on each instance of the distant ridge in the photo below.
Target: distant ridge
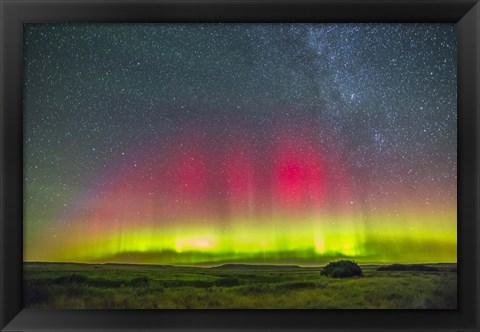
{"x": 254, "y": 267}
{"x": 161, "y": 266}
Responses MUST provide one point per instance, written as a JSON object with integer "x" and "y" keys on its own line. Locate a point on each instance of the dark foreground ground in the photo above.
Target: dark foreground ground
{"x": 72, "y": 286}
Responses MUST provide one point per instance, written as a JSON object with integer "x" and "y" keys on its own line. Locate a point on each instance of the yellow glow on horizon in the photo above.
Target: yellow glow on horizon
{"x": 383, "y": 238}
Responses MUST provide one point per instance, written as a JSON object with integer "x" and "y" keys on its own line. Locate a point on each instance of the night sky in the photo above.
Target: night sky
{"x": 259, "y": 143}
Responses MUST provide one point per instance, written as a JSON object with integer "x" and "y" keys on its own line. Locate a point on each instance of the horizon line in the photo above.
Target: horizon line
{"x": 208, "y": 265}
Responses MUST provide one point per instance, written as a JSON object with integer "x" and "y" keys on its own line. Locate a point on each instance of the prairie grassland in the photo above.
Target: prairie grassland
{"x": 109, "y": 286}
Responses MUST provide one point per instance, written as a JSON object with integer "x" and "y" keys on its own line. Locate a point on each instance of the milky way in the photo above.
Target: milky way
{"x": 209, "y": 143}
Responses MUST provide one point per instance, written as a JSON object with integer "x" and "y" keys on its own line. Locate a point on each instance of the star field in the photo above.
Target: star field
{"x": 204, "y": 143}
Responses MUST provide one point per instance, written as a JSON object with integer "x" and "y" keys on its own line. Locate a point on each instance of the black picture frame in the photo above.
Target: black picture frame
{"x": 466, "y": 15}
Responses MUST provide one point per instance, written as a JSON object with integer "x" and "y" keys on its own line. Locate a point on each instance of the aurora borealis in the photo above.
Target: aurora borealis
{"x": 261, "y": 143}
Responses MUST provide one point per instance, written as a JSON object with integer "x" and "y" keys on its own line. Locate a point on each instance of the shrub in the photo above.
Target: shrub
{"x": 342, "y": 269}
{"x": 412, "y": 267}
{"x": 139, "y": 282}
{"x": 227, "y": 282}
{"x": 35, "y": 294}
{"x": 393, "y": 267}
{"x": 71, "y": 279}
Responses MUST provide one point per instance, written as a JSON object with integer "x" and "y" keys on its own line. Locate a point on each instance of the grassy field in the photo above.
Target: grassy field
{"x": 111, "y": 286}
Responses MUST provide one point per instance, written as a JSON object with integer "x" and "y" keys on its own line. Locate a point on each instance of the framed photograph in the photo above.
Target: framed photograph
{"x": 229, "y": 165}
